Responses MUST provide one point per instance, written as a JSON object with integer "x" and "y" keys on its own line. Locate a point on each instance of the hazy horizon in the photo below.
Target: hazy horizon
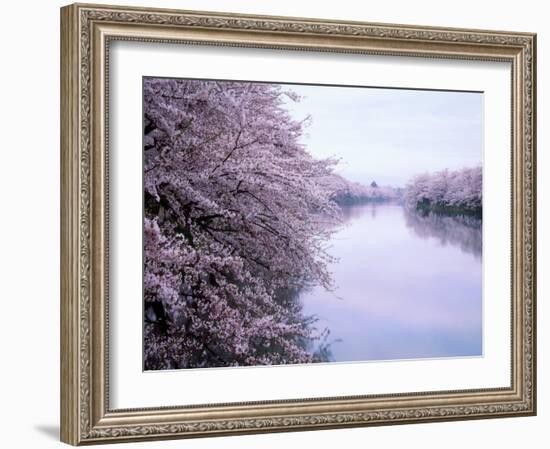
{"x": 390, "y": 135}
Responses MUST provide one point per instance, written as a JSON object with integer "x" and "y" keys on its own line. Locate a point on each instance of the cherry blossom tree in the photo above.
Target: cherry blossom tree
{"x": 447, "y": 191}
{"x": 233, "y": 226}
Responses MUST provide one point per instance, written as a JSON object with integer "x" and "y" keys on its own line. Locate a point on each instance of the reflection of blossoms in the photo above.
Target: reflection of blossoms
{"x": 459, "y": 191}
{"x": 462, "y": 231}
{"x": 230, "y": 232}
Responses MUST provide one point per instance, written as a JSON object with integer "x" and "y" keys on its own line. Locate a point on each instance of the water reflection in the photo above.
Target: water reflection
{"x": 399, "y": 293}
{"x": 356, "y": 211}
{"x": 462, "y": 231}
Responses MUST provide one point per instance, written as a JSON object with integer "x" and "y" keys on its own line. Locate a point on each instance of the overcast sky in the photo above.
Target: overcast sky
{"x": 390, "y": 135}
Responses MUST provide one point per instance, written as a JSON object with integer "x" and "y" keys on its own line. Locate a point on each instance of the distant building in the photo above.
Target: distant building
{"x": 373, "y": 184}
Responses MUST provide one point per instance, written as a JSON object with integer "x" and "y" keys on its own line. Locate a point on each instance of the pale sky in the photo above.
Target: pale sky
{"x": 390, "y": 135}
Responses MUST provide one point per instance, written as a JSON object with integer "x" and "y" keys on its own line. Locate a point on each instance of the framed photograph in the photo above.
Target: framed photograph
{"x": 279, "y": 224}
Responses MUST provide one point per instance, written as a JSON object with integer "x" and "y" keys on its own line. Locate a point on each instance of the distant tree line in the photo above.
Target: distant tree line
{"x": 344, "y": 192}
{"x": 452, "y": 192}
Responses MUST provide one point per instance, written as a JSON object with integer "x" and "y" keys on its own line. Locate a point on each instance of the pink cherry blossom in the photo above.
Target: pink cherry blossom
{"x": 459, "y": 190}
{"x": 234, "y": 226}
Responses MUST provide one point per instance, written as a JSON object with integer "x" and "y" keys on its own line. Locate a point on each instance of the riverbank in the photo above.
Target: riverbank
{"x": 425, "y": 207}
{"x": 357, "y": 201}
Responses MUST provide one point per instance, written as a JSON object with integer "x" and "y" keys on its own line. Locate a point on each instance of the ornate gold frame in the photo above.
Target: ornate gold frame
{"x": 86, "y": 31}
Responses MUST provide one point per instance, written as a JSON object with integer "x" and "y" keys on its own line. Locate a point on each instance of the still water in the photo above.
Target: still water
{"x": 406, "y": 286}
